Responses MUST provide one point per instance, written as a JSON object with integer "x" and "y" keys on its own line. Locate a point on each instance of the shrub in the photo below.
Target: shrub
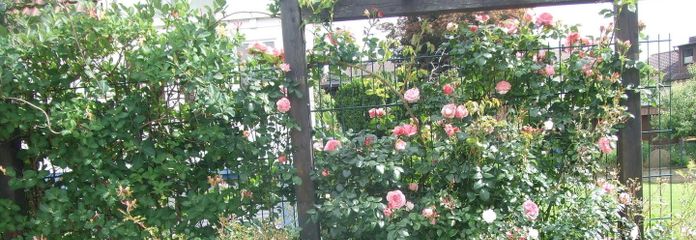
{"x": 141, "y": 118}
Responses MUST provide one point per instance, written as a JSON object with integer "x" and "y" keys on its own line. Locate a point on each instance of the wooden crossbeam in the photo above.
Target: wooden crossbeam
{"x": 353, "y": 9}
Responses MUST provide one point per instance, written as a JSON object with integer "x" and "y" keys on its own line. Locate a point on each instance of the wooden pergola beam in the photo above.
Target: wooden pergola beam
{"x": 353, "y": 9}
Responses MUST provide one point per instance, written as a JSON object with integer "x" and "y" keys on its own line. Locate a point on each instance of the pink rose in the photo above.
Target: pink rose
{"x": 332, "y": 145}
{"x": 396, "y": 199}
{"x": 428, "y": 212}
{"x": 387, "y": 212}
{"x": 279, "y": 53}
{"x": 605, "y": 145}
{"x": 282, "y": 159}
{"x": 257, "y": 48}
{"x": 449, "y": 111}
{"x": 462, "y": 112}
{"x": 549, "y": 71}
{"x": 325, "y": 172}
{"x": 503, "y": 87}
{"x": 369, "y": 140}
{"x": 376, "y": 112}
{"x": 405, "y": 130}
{"x": 531, "y": 210}
{"x": 283, "y": 105}
{"x": 413, "y": 186}
{"x": 400, "y": 145}
{"x": 572, "y": 38}
{"x": 285, "y": 67}
{"x": 451, "y": 130}
{"x": 412, "y": 95}
{"x": 447, "y": 89}
{"x": 587, "y": 70}
{"x": 608, "y": 187}
{"x": 473, "y": 28}
{"x": 510, "y": 25}
{"x": 527, "y": 17}
{"x": 482, "y": 18}
{"x": 544, "y": 19}
{"x": 624, "y": 198}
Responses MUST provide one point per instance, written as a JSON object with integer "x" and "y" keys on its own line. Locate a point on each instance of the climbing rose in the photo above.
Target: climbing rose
{"x": 544, "y": 19}
{"x": 400, "y": 145}
{"x": 318, "y": 146}
{"x": 607, "y": 187}
{"x": 387, "y": 212}
{"x": 503, "y": 87}
{"x": 285, "y": 67}
{"x": 283, "y": 105}
{"x": 412, "y": 95}
{"x": 449, "y": 110}
{"x": 409, "y": 206}
{"x": 462, "y": 112}
{"x": 531, "y": 210}
{"x": 428, "y": 212}
{"x": 282, "y": 159}
{"x": 533, "y": 233}
{"x": 332, "y": 145}
{"x": 473, "y": 28}
{"x": 572, "y": 38}
{"x": 376, "y": 112}
{"x": 447, "y": 89}
{"x": 413, "y": 186}
{"x": 396, "y": 199}
{"x": 549, "y": 71}
{"x": 325, "y": 172}
{"x": 405, "y": 130}
{"x": 451, "y": 130}
{"x": 488, "y": 216}
{"x": 482, "y": 18}
{"x": 605, "y": 145}
{"x": 257, "y": 48}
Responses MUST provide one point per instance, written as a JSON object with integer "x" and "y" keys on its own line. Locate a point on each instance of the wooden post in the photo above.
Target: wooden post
{"x": 294, "y": 45}
{"x": 629, "y": 149}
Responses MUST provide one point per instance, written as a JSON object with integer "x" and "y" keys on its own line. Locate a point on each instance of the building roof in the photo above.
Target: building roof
{"x": 669, "y": 64}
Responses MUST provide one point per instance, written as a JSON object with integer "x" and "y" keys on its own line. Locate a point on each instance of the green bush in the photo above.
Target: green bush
{"x": 352, "y": 99}
{"x": 679, "y": 109}
{"x": 144, "y": 106}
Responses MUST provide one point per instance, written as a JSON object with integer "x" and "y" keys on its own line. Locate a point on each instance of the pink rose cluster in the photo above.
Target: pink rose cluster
{"x": 452, "y": 111}
{"x": 448, "y": 89}
{"x": 430, "y": 214}
{"x": 405, "y": 130}
{"x": 544, "y": 19}
{"x": 531, "y": 210}
{"x": 451, "y": 130}
{"x": 605, "y": 145}
{"x": 376, "y": 112}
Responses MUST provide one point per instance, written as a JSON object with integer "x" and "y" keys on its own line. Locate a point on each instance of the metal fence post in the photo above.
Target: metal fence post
{"x": 629, "y": 145}
{"x": 294, "y": 45}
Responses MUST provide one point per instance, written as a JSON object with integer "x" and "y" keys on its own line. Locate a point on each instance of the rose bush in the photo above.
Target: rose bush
{"x": 502, "y": 142}
{"x": 144, "y": 106}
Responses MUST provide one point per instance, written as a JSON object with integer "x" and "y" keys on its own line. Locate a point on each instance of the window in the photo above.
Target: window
{"x": 688, "y": 55}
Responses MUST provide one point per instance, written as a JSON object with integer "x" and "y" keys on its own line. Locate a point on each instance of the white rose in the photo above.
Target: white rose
{"x": 489, "y": 216}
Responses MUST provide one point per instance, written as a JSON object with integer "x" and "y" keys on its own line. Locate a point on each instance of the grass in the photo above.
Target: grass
{"x": 674, "y": 203}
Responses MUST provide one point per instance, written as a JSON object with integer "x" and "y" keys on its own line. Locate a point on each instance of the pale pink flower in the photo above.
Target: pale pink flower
{"x": 412, "y": 95}
{"x": 318, "y": 146}
{"x": 405, "y": 130}
{"x": 332, "y": 145}
{"x": 587, "y": 70}
{"x": 544, "y": 19}
{"x": 449, "y": 111}
{"x": 285, "y": 67}
{"x": 572, "y": 39}
{"x": 608, "y": 187}
{"x": 387, "y": 212}
{"x": 624, "y": 198}
{"x": 448, "y": 89}
{"x": 503, "y": 87}
{"x": 462, "y": 112}
{"x": 257, "y": 47}
{"x": 395, "y": 199}
{"x": 527, "y": 17}
{"x": 482, "y": 17}
{"x": 376, "y": 112}
{"x": 605, "y": 145}
{"x": 279, "y": 53}
{"x": 549, "y": 71}
{"x": 400, "y": 145}
{"x": 283, "y": 105}
{"x": 452, "y": 26}
{"x": 282, "y": 159}
{"x": 531, "y": 210}
{"x": 451, "y": 130}
{"x": 510, "y": 25}
{"x": 409, "y": 206}
{"x": 413, "y": 186}
{"x": 428, "y": 212}
{"x": 473, "y": 28}
{"x": 325, "y": 172}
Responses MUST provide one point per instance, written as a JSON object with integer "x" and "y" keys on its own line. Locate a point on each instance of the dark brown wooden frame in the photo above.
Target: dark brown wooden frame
{"x": 629, "y": 151}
